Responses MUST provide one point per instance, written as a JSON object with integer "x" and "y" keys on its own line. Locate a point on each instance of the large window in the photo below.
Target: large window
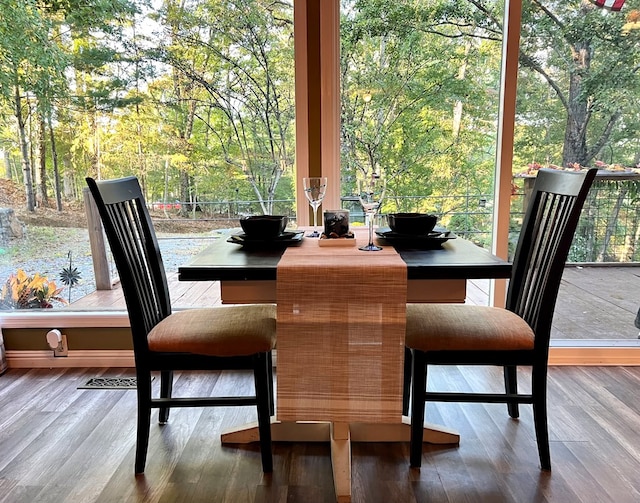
{"x": 577, "y": 107}
{"x": 419, "y": 103}
{"x": 195, "y": 98}
{"x": 420, "y": 97}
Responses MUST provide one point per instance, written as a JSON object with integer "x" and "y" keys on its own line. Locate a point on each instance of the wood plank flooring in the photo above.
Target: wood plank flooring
{"x": 61, "y": 444}
{"x": 597, "y": 303}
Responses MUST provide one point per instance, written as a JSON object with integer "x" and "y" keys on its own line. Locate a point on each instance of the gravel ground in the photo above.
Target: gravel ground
{"x": 50, "y": 255}
{"x": 52, "y": 235}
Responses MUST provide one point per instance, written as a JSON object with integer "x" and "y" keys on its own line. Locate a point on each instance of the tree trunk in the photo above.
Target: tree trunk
{"x": 7, "y": 165}
{"x": 185, "y": 179}
{"x": 575, "y": 137}
{"x": 604, "y": 255}
{"x": 24, "y": 149}
{"x": 458, "y": 105}
{"x": 94, "y": 154}
{"x": 42, "y": 162}
{"x": 56, "y": 170}
{"x": 185, "y": 190}
{"x": 165, "y": 195}
{"x": 631, "y": 239}
{"x": 68, "y": 182}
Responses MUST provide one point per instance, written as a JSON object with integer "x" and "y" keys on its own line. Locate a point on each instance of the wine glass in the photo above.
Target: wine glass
{"x": 371, "y": 193}
{"x": 315, "y": 188}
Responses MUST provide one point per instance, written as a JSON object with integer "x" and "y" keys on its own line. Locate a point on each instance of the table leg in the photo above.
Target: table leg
{"x": 401, "y": 432}
{"x": 340, "y": 436}
{"x": 311, "y": 431}
{"x": 341, "y": 461}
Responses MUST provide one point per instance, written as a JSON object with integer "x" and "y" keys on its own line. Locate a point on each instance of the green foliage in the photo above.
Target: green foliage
{"x": 24, "y": 291}
{"x": 203, "y": 107}
{"x": 230, "y": 100}
{"x": 405, "y": 71}
{"x": 577, "y": 87}
{"x": 29, "y": 61}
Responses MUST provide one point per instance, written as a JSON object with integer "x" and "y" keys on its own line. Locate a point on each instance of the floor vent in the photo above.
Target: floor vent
{"x": 110, "y": 383}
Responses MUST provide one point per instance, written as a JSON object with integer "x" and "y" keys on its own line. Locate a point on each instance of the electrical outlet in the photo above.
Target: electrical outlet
{"x": 63, "y": 348}
{"x": 58, "y": 342}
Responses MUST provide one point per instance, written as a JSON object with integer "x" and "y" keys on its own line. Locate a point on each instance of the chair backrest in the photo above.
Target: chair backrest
{"x": 135, "y": 250}
{"x": 547, "y": 231}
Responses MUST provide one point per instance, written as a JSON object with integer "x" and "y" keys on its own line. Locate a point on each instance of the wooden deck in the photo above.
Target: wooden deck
{"x": 593, "y": 302}
{"x": 184, "y": 294}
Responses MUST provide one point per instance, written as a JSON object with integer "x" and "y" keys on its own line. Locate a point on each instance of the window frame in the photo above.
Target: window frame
{"x": 317, "y": 88}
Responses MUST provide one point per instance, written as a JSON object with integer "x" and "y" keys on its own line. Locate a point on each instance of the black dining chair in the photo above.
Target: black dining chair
{"x": 216, "y": 338}
{"x": 450, "y": 334}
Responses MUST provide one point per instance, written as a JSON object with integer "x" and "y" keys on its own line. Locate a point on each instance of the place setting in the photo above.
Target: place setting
{"x": 414, "y": 230}
{"x": 265, "y": 231}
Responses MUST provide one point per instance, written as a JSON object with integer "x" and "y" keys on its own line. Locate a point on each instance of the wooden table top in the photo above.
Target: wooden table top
{"x": 456, "y": 259}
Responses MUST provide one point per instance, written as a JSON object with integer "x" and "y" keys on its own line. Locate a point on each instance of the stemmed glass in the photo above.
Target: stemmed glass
{"x": 315, "y": 188}
{"x": 371, "y": 193}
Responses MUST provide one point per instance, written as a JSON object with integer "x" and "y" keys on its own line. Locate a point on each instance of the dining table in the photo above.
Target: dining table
{"x": 340, "y": 328}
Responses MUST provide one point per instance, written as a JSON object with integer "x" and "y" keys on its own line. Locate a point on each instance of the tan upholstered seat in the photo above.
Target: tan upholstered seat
{"x": 227, "y": 331}
{"x": 442, "y": 327}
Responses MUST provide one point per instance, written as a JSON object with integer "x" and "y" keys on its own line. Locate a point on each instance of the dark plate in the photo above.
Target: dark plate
{"x": 433, "y": 239}
{"x": 284, "y": 239}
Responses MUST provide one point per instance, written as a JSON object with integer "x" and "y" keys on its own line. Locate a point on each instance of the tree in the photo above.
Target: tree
{"x": 414, "y": 100}
{"x": 36, "y": 51}
{"x": 29, "y": 64}
{"x": 590, "y": 66}
{"x": 239, "y": 53}
{"x": 103, "y": 68}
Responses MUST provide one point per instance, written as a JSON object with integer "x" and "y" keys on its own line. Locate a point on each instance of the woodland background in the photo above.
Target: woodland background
{"x": 195, "y": 97}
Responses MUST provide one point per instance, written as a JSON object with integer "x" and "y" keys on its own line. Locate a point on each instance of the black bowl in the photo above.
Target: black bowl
{"x": 264, "y": 226}
{"x": 415, "y": 224}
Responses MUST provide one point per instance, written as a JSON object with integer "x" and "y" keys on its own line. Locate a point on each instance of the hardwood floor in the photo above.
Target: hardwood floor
{"x": 63, "y": 444}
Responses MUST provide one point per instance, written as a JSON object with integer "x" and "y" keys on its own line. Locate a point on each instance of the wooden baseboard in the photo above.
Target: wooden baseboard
{"x": 585, "y": 356}
{"x": 46, "y": 318}
{"x": 3, "y": 357}
{"x": 595, "y": 356}
{"x": 81, "y": 358}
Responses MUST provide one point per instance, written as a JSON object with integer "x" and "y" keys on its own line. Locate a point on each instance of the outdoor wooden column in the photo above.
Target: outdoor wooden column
{"x": 101, "y": 268}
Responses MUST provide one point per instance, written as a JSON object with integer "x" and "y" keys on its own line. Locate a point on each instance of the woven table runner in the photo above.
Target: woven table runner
{"x": 341, "y": 326}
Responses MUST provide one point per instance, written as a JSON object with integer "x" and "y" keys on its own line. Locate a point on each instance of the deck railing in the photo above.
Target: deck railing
{"x": 609, "y": 228}
{"x": 608, "y": 232}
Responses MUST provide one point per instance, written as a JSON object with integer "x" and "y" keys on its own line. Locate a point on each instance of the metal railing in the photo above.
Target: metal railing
{"x": 609, "y": 227}
{"x": 608, "y": 232}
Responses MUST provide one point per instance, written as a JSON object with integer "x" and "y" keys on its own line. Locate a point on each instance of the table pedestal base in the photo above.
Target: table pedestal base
{"x": 340, "y": 435}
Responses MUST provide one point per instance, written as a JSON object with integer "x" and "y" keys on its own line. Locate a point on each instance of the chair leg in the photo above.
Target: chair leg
{"x": 166, "y": 388}
{"x": 539, "y": 391}
{"x": 261, "y": 378}
{"x": 511, "y": 387}
{"x": 418, "y": 390}
{"x": 143, "y": 390}
{"x": 272, "y": 404}
{"x": 406, "y": 382}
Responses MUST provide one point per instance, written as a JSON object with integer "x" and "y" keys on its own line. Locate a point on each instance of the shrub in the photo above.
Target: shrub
{"x": 22, "y": 291}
